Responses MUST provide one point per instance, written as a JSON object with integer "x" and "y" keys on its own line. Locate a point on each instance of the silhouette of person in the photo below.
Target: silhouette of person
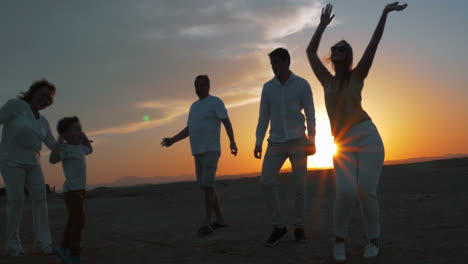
{"x": 282, "y": 100}
{"x": 24, "y": 131}
{"x": 359, "y": 159}
{"x": 71, "y": 149}
{"x": 203, "y": 129}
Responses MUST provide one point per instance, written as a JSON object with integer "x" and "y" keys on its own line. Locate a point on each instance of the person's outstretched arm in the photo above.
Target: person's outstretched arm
{"x": 230, "y": 132}
{"x": 317, "y": 66}
{"x": 167, "y": 142}
{"x": 364, "y": 65}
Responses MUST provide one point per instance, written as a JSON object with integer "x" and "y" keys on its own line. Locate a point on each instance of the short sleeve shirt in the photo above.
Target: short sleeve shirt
{"x": 74, "y": 166}
{"x": 204, "y": 124}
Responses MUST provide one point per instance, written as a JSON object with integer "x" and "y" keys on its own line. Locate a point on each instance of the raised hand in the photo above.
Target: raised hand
{"x": 326, "y": 16}
{"x": 167, "y": 142}
{"x": 394, "y": 7}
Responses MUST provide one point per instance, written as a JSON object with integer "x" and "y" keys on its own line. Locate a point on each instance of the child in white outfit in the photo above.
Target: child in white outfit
{"x": 72, "y": 147}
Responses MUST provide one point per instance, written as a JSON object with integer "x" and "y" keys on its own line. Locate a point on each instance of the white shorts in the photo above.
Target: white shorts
{"x": 205, "y": 167}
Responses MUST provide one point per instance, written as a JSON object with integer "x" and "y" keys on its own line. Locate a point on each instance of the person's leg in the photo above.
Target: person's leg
{"x": 209, "y": 165}
{"x": 209, "y": 202}
{"x": 77, "y": 216}
{"x": 345, "y": 168}
{"x": 274, "y": 158}
{"x": 371, "y": 160}
{"x": 66, "y": 233}
{"x": 217, "y": 209}
{"x": 36, "y": 186}
{"x": 298, "y": 160}
{"x": 14, "y": 179}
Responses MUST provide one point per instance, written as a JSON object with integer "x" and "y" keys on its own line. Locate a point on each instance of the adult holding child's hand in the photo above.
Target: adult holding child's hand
{"x": 24, "y": 131}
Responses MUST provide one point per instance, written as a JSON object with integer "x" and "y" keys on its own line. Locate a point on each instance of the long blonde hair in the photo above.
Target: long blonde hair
{"x": 348, "y": 61}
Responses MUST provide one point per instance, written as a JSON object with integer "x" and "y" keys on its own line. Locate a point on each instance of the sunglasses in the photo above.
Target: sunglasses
{"x": 338, "y": 49}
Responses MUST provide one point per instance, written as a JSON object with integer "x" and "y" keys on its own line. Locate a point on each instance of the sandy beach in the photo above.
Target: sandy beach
{"x": 424, "y": 213}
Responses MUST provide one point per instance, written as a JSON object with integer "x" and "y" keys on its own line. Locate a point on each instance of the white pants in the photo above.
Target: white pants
{"x": 275, "y": 156}
{"x": 17, "y": 176}
{"x": 358, "y": 165}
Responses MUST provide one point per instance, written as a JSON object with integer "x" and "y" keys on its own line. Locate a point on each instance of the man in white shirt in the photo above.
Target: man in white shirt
{"x": 283, "y": 98}
{"x": 204, "y": 128}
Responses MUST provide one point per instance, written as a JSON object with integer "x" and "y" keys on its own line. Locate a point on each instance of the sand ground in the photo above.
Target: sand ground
{"x": 424, "y": 212}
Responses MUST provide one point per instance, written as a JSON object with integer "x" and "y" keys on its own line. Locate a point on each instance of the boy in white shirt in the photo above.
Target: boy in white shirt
{"x": 72, "y": 147}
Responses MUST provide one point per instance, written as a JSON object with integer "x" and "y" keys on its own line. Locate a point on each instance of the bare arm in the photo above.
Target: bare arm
{"x": 86, "y": 142}
{"x": 230, "y": 132}
{"x": 364, "y": 65}
{"x": 317, "y": 66}
{"x": 167, "y": 142}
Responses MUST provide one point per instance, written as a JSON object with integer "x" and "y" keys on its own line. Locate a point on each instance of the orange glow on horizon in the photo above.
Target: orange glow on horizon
{"x": 326, "y": 149}
{"x": 324, "y": 143}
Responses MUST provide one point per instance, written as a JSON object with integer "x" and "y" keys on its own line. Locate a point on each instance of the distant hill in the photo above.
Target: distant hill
{"x": 134, "y": 180}
{"x": 423, "y": 159}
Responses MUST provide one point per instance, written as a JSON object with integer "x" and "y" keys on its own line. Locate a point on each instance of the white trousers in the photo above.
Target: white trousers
{"x": 16, "y": 177}
{"x": 275, "y": 156}
{"x": 358, "y": 164}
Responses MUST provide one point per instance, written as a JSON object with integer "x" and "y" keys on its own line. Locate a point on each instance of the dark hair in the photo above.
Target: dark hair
{"x": 203, "y": 77}
{"x": 65, "y": 124}
{"x": 281, "y": 53}
{"x": 35, "y": 86}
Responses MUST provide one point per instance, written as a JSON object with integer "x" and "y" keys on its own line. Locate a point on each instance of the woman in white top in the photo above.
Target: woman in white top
{"x": 24, "y": 131}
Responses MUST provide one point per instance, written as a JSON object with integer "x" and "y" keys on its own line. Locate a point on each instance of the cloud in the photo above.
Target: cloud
{"x": 229, "y": 39}
{"x": 278, "y": 20}
{"x": 200, "y": 31}
{"x": 233, "y": 96}
{"x": 259, "y": 20}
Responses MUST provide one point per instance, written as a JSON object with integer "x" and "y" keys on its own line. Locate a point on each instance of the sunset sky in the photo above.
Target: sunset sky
{"x": 116, "y": 61}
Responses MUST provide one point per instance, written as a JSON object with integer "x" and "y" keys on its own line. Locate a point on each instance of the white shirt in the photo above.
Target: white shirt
{"x": 204, "y": 124}
{"x": 74, "y": 166}
{"x": 281, "y": 106}
{"x": 22, "y": 133}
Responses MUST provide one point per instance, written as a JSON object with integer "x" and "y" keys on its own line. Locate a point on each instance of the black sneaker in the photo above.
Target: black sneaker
{"x": 299, "y": 235}
{"x": 276, "y": 235}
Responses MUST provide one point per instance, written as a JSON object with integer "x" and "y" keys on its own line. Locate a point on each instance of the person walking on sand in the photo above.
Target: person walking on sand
{"x": 282, "y": 100}
{"x": 359, "y": 160}
{"x": 72, "y": 147}
{"x": 24, "y": 131}
{"x": 203, "y": 129}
